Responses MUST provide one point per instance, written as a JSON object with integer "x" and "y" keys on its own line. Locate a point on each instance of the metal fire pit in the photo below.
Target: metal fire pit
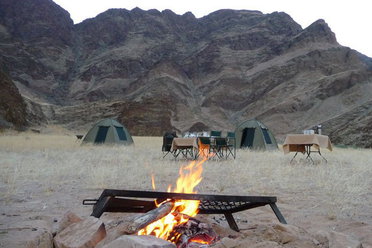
{"x": 112, "y": 200}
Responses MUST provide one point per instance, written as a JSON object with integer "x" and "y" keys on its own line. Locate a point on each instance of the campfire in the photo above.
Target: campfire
{"x": 171, "y": 215}
{"x": 179, "y": 226}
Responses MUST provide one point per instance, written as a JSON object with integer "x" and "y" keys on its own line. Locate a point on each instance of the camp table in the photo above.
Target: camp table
{"x": 185, "y": 146}
{"x": 304, "y": 142}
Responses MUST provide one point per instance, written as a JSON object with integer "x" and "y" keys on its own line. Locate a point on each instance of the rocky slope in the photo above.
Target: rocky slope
{"x": 12, "y": 107}
{"x": 157, "y": 71}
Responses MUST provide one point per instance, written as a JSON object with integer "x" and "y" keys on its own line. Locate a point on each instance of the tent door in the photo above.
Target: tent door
{"x": 121, "y": 133}
{"x": 247, "y": 137}
{"x": 266, "y": 136}
{"x": 101, "y": 134}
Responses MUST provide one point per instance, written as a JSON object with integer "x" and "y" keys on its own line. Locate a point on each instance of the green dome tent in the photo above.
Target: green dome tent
{"x": 254, "y": 135}
{"x": 108, "y": 131}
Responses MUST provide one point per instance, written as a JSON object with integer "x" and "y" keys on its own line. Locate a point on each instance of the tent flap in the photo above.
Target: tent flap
{"x": 101, "y": 134}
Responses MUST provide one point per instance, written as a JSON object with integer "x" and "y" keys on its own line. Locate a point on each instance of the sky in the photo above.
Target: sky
{"x": 350, "y": 20}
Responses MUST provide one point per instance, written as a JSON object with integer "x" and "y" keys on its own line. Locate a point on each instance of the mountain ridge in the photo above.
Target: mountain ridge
{"x": 215, "y": 71}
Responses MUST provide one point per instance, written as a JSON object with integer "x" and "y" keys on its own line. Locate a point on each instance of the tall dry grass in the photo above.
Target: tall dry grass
{"x": 340, "y": 188}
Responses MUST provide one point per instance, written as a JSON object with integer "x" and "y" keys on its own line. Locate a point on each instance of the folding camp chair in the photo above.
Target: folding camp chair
{"x": 167, "y": 143}
{"x": 231, "y": 145}
{"x": 220, "y": 147}
{"x": 204, "y": 144}
{"x": 215, "y": 133}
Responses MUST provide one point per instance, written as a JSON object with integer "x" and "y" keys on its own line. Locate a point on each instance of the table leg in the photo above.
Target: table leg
{"x": 176, "y": 153}
{"x": 322, "y": 156}
{"x": 196, "y": 152}
{"x": 293, "y": 157}
{"x": 308, "y": 152}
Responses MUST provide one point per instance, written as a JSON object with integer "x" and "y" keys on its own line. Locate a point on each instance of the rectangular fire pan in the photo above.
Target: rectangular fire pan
{"x": 112, "y": 200}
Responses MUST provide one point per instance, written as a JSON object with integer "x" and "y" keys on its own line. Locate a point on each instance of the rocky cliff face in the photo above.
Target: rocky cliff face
{"x": 12, "y": 107}
{"x": 36, "y": 42}
{"x": 157, "y": 71}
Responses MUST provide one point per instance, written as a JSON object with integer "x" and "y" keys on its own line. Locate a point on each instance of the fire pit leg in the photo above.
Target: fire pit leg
{"x": 278, "y": 213}
{"x": 100, "y": 207}
{"x": 230, "y": 219}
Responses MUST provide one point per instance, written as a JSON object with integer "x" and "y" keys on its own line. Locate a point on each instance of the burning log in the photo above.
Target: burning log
{"x": 193, "y": 233}
{"x": 149, "y": 217}
{"x": 139, "y": 222}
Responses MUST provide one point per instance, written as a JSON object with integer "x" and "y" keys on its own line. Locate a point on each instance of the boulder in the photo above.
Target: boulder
{"x": 67, "y": 219}
{"x": 286, "y": 233}
{"x": 83, "y": 234}
{"x": 141, "y": 241}
{"x": 114, "y": 231}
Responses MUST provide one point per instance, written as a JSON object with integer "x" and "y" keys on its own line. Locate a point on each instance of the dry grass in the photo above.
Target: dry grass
{"x": 39, "y": 165}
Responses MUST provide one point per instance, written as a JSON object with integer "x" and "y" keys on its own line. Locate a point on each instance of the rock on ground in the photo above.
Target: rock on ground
{"x": 84, "y": 234}
{"x": 67, "y": 219}
{"x": 30, "y": 234}
{"x": 142, "y": 241}
{"x": 337, "y": 239}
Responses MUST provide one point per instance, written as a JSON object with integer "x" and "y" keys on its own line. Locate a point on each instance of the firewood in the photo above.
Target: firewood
{"x": 149, "y": 217}
{"x": 193, "y": 230}
{"x": 138, "y": 222}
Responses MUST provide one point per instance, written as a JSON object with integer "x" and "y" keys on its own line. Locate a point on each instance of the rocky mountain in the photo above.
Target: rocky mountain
{"x": 157, "y": 71}
{"x": 12, "y": 107}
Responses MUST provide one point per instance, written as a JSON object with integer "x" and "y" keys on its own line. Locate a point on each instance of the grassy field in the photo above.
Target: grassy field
{"x": 340, "y": 188}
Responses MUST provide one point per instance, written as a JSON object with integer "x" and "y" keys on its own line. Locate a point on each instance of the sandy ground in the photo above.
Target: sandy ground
{"x": 44, "y": 175}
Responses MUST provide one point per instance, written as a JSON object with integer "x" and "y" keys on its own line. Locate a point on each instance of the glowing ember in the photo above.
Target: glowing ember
{"x": 189, "y": 178}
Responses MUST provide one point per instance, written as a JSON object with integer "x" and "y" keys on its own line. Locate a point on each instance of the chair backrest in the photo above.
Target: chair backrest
{"x": 204, "y": 140}
{"x": 167, "y": 141}
{"x": 231, "y": 138}
{"x": 216, "y": 133}
{"x": 219, "y": 142}
{"x": 230, "y": 135}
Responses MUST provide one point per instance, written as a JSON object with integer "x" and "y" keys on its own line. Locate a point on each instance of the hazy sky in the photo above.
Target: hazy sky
{"x": 350, "y": 20}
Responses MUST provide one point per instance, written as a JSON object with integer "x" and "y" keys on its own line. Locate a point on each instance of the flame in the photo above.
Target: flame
{"x": 200, "y": 241}
{"x": 153, "y": 182}
{"x": 189, "y": 177}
